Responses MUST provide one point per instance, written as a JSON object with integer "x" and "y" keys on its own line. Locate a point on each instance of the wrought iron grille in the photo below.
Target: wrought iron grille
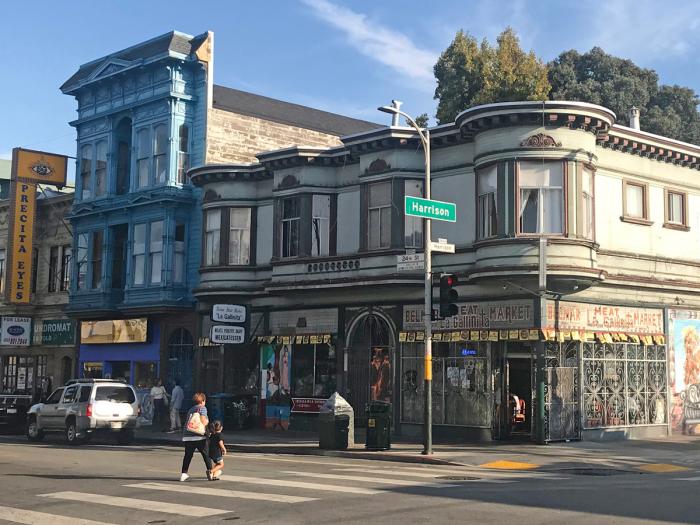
{"x": 562, "y": 391}
{"x": 624, "y": 384}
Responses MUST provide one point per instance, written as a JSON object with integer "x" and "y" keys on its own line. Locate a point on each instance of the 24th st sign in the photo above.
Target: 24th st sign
{"x": 430, "y": 209}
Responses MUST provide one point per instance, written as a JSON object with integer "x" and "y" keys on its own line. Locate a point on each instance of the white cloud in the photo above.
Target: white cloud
{"x": 378, "y": 42}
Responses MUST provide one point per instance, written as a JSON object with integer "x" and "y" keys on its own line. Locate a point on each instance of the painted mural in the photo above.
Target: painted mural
{"x": 275, "y": 366}
{"x": 684, "y": 356}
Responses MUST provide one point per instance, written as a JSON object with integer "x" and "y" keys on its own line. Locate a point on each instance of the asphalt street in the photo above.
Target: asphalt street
{"x": 53, "y": 483}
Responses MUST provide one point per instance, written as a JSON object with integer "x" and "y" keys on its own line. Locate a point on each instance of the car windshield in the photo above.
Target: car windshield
{"x": 118, "y": 394}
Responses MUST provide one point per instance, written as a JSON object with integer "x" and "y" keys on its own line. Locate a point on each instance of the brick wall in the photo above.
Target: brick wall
{"x": 233, "y": 138}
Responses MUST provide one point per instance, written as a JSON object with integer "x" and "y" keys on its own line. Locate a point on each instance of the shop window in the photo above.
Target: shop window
{"x": 183, "y": 155}
{"x": 291, "y": 219}
{"x": 53, "y": 268}
{"x": 155, "y": 250}
{"x": 35, "y": 268}
{"x": 313, "y": 370}
{"x": 413, "y": 226}
{"x": 486, "y": 189}
{"x": 9, "y": 374}
{"x": 92, "y": 370}
{"x": 541, "y": 197}
{"x": 212, "y": 238}
{"x": 86, "y": 172}
{"x": 635, "y": 203}
{"x": 179, "y": 259}
{"x": 587, "y": 204}
{"x": 96, "y": 262}
{"x": 160, "y": 154}
{"x": 320, "y": 225}
{"x": 139, "y": 254}
{"x": 2, "y": 271}
{"x": 81, "y": 266}
{"x": 675, "y": 209}
{"x": 379, "y": 216}
{"x": 66, "y": 257}
{"x": 145, "y": 373}
{"x": 101, "y": 168}
{"x": 239, "y": 236}
{"x": 143, "y": 157}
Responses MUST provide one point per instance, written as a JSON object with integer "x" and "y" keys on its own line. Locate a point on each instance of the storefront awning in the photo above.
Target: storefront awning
{"x": 533, "y": 335}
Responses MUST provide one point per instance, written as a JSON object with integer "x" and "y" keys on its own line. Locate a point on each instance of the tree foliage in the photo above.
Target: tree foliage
{"x": 469, "y": 73}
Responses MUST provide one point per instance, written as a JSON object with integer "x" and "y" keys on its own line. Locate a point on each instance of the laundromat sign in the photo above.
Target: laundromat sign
{"x": 56, "y": 332}
{"x": 16, "y": 331}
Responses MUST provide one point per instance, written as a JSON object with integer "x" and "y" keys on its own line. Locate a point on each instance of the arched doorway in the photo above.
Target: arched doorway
{"x": 371, "y": 361}
{"x": 180, "y": 360}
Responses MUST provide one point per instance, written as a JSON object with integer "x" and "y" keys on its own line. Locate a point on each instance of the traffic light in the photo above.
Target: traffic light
{"x": 448, "y": 295}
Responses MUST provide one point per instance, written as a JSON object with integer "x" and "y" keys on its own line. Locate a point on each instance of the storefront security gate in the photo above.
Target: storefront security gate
{"x": 562, "y": 415}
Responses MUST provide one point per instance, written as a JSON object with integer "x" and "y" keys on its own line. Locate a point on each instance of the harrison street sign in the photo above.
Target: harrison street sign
{"x": 429, "y": 209}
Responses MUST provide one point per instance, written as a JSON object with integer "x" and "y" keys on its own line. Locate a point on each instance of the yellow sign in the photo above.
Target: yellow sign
{"x": 39, "y": 166}
{"x": 20, "y": 265}
{"x": 114, "y": 331}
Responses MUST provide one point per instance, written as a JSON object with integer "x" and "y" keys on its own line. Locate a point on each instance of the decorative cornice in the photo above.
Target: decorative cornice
{"x": 540, "y": 140}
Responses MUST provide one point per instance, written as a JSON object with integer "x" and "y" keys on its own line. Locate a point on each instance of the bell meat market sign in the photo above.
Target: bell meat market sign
{"x": 603, "y": 318}
{"x": 491, "y": 315}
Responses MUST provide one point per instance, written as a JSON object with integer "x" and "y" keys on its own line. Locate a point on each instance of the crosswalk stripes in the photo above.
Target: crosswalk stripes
{"x": 696, "y": 478}
{"x": 136, "y": 503}
{"x": 221, "y": 493}
{"x": 364, "y": 479}
{"x": 299, "y": 484}
{"x": 32, "y": 517}
{"x": 430, "y": 475}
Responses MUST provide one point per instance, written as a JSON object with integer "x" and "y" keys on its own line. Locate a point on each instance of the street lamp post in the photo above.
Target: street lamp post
{"x": 424, "y": 135}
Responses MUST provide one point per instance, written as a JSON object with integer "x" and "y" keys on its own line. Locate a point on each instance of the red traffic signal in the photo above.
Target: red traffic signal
{"x": 448, "y": 295}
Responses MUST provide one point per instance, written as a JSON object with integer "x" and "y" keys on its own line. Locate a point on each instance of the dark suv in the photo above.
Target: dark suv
{"x": 85, "y": 406}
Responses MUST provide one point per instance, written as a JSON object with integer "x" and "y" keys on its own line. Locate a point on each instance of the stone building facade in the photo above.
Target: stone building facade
{"x": 612, "y": 212}
{"x": 49, "y": 357}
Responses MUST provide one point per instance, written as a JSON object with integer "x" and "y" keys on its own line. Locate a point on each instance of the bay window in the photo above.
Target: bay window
{"x": 183, "y": 155}
{"x": 413, "y": 226}
{"x": 379, "y": 216}
{"x": 82, "y": 261}
{"x": 486, "y": 190}
{"x": 160, "y": 154}
{"x": 239, "y": 236}
{"x": 587, "y": 204}
{"x": 320, "y": 225}
{"x": 143, "y": 157}
{"x": 635, "y": 202}
{"x": 96, "y": 260}
{"x": 179, "y": 250}
{"x": 212, "y": 238}
{"x": 147, "y": 253}
{"x": 101, "y": 168}
{"x": 675, "y": 209}
{"x": 291, "y": 219}
{"x": 139, "y": 254}
{"x": 86, "y": 172}
{"x": 541, "y": 197}
{"x": 2, "y": 271}
{"x": 53, "y": 268}
{"x": 66, "y": 257}
{"x": 155, "y": 251}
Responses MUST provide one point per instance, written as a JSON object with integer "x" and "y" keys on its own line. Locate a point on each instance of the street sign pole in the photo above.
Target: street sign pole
{"x": 428, "y": 317}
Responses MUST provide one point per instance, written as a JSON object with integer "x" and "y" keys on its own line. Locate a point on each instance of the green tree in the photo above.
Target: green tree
{"x": 469, "y": 73}
{"x": 422, "y": 120}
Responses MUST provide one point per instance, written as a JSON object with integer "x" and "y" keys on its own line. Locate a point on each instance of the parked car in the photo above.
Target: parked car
{"x": 13, "y": 411}
{"x": 86, "y": 406}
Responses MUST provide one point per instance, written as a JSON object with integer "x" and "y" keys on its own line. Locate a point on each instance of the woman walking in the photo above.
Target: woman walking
{"x": 194, "y": 435}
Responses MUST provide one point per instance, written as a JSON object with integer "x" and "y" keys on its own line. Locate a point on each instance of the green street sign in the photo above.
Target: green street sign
{"x": 442, "y": 211}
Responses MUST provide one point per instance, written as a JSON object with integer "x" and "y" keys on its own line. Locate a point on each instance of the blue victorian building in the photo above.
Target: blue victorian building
{"x": 146, "y": 114}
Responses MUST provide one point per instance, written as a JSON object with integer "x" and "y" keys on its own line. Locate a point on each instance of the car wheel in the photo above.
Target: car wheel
{"x": 34, "y": 433}
{"x": 125, "y": 437}
{"x": 72, "y": 433}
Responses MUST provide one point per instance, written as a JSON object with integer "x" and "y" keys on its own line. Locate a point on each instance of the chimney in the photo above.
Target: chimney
{"x": 395, "y": 117}
{"x": 634, "y": 117}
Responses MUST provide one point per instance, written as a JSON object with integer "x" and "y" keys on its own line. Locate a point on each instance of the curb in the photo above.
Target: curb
{"x": 313, "y": 451}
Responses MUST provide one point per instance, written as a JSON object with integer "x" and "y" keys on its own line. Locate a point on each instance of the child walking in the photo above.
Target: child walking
{"x": 217, "y": 449}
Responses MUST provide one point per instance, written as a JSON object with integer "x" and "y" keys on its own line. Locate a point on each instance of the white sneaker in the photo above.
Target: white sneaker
{"x": 184, "y": 477}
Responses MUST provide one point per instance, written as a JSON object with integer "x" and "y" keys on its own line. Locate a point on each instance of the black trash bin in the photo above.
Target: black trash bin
{"x": 378, "y": 426}
{"x": 333, "y": 431}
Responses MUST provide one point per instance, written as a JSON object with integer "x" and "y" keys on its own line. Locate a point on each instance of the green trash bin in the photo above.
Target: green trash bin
{"x": 378, "y": 426}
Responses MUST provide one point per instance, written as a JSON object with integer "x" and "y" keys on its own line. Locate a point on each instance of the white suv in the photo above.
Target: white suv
{"x": 85, "y": 406}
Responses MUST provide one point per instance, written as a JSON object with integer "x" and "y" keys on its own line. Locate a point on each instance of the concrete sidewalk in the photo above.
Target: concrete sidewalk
{"x": 675, "y": 453}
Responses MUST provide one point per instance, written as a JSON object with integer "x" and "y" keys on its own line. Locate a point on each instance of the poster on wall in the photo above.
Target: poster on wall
{"x": 380, "y": 374}
{"x": 16, "y": 331}
{"x": 275, "y": 384}
{"x": 684, "y": 374}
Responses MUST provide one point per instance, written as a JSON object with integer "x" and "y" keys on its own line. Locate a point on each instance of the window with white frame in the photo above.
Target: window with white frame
{"x": 179, "y": 250}
{"x": 101, "y": 168}
{"x": 86, "y": 172}
{"x": 413, "y": 226}
{"x": 139, "y": 254}
{"x": 486, "y": 191}
{"x": 239, "y": 236}
{"x": 212, "y": 238}
{"x": 291, "y": 219}
{"x": 143, "y": 157}
{"x": 320, "y": 225}
{"x": 160, "y": 154}
{"x": 379, "y": 215}
{"x": 635, "y": 202}
{"x": 541, "y": 197}
{"x": 675, "y": 208}
{"x": 183, "y": 153}
{"x": 2, "y": 271}
{"x": 155, "y": 251}
{"x": 587, "y": 203}
{"x": 81, "y": 265}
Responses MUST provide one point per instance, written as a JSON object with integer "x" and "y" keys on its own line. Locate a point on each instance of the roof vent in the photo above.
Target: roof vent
{"x": 395, "y": 117}
{"x": 634, "y": 117}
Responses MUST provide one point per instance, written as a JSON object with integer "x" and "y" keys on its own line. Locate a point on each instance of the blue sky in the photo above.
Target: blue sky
{"x": 339, "y": 55}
